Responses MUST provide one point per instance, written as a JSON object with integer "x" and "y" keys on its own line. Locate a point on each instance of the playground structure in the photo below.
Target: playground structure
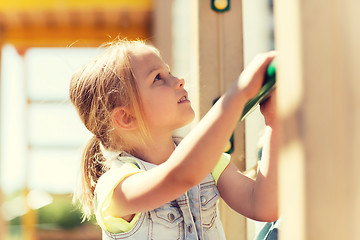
{"x": 39, "y": 23}
{"x": 318, "y": 88}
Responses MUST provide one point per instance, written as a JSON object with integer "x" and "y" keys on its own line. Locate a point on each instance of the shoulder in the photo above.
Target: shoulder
{"x": 220, "y": 166}
{"x": 120, "y": 168}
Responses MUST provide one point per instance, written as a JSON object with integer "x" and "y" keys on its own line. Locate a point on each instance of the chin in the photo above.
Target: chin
{"x": 189, "y": 119}
{"x": 191, "y": 116}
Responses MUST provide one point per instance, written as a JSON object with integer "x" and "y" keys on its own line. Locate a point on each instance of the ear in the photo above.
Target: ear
{"x": 123, "y": 119}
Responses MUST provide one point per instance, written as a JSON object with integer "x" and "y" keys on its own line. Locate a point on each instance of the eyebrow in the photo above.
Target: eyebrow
{"x": 152, "y": 70}
{"x": 157, "y": 69}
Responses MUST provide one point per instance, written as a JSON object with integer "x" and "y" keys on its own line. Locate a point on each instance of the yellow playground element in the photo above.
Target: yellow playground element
{"x": 52, "y": 23}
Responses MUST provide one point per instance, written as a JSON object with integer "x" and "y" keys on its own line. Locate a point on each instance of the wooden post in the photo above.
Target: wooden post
{"x": 29, "y": 219}
{"x": 219, "y": 48}
{"x": 162, "y": 31}
{"x": 3, "y": 229}
{"x": 319, "y": 108}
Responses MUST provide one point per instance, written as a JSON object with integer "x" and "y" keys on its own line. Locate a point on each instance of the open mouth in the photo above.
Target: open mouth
{"x": 184, "y": 98}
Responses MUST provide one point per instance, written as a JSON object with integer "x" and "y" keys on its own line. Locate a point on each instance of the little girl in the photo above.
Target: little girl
{"x": 139, "y": 180}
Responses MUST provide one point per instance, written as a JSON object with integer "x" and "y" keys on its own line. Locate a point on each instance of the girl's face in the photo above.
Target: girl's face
{"x": 165, "y": 101}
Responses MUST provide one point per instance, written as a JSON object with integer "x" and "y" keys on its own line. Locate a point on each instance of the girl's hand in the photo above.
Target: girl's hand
{"x": 268, "y": 109}
{"x": 251, "y": 79}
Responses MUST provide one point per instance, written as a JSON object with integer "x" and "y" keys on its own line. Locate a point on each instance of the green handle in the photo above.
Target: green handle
{"x": 266, "y": 89}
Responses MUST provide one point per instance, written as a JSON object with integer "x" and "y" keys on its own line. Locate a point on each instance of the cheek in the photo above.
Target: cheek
{"x": 154, "y": 108}
{"x": 158, "y": 102}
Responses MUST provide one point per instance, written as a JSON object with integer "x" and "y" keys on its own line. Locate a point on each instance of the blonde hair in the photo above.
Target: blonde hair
{"x": 96, "y": 90}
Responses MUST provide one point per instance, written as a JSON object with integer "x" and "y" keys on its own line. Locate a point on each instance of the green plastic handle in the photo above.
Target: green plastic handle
{"x": 267, "y": 87}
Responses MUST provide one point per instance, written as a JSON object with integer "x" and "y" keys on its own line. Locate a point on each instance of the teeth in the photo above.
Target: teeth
{"x": 182, "y": 99}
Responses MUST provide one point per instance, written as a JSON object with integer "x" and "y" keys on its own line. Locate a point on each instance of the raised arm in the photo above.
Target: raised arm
{"x": 256, "y": 199}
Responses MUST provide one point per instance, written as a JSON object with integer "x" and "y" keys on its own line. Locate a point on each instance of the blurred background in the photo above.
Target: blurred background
{"x": 42, "y": 43}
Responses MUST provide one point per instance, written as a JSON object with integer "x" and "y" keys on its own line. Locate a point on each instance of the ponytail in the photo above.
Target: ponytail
{"x": 92, "y": 167}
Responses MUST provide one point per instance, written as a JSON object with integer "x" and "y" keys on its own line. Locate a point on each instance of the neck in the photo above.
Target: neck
{"x": 157, "y": 150}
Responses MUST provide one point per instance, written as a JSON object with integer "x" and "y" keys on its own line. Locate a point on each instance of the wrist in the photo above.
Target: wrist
{"x": 245, "y": 89}
{"x": 236, "y": 97}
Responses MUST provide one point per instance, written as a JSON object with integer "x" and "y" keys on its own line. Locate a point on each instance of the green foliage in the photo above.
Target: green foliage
{"x": 61, "y": 213}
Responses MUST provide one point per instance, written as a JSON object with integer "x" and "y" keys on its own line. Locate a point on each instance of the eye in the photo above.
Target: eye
{"x": 157, "y": 78}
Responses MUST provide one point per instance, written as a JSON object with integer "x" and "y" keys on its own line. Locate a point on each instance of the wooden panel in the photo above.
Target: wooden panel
{"x": 318, "y": 96}
{"x": 220, "y": 56}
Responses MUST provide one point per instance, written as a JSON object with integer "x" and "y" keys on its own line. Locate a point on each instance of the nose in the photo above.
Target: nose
{"x": 180, "y": 83}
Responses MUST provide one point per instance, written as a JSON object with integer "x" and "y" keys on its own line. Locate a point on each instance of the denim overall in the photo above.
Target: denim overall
{"x": 193, "y": 215}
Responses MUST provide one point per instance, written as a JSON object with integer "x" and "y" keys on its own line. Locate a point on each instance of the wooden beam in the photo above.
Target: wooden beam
{"x": 85, "y": 36}
{"x": 319, "y": 108}
{"x": 35, "y": 5}
{"x": 162, "y": 29}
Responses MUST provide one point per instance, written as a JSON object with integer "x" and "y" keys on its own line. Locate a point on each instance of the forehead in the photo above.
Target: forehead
{"x": 140, "y": 52}
{"x": 144, "y": 60}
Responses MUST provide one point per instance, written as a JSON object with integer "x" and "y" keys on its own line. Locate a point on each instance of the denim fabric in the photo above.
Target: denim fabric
{"x": 269, "y": 231}
{"x": 191, "y": 216}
